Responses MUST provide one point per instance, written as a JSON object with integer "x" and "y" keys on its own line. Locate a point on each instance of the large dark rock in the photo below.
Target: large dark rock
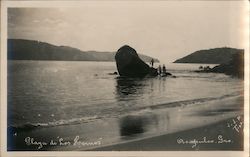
{"x": 129, "y": 63}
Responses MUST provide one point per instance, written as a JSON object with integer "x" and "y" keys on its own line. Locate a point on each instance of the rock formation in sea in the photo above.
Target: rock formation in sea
{"x": 129, "y": 63}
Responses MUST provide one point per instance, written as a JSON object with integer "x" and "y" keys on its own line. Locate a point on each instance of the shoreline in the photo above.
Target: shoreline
{"x": 217, "y": 136}
{"x": 161, "y": 130}
{"x": 224, "y": 135}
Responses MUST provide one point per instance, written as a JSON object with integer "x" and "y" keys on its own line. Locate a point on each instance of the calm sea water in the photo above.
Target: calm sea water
{"x": 66, "y": 92}
{"x": 57, "y": 93}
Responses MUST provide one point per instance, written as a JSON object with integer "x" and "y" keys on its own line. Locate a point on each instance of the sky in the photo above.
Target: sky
{"x": 167, "y": 30}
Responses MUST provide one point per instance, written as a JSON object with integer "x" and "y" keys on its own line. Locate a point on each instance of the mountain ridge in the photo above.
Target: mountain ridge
{"x": 23, "y": 49}
{"x": 210, "y": 56}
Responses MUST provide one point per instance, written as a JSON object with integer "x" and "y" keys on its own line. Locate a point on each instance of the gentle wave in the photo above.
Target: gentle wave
{"x": 74, "y": 121}
{"x": 31, "y": 126}
{"x": 185, "y": 102}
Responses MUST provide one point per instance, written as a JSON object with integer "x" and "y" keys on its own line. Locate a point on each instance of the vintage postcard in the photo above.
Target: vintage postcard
{"x": 125, "y": 78}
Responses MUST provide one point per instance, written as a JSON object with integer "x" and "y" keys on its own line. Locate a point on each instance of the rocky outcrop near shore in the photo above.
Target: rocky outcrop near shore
{"x": 129, "y": 63}
{"x": 234, "y": 68}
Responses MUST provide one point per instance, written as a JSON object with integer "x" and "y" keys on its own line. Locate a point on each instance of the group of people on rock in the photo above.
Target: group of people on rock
{"x": 161, "y": 70}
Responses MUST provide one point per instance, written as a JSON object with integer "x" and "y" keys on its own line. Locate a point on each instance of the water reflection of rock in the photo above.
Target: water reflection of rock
{"x": 133, "y": 93}
{"x": 129, "y": 87}
{"x": 132, "y": 125}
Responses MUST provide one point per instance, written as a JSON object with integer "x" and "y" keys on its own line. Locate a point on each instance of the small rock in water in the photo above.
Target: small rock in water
{"x": 114, "y": 73}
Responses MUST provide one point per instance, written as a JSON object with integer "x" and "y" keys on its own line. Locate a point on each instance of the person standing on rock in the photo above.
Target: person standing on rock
{"x": 159, "y": 70}
{"x": 164, "y": 70}
{"x": 152, "y": 62}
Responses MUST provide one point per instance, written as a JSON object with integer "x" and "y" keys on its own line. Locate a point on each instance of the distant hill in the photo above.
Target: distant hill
{"x": 210, "y": 56}
{"x": 20, "y": 49}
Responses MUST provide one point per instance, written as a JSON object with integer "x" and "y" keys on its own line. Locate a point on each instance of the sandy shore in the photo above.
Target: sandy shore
{"x": 211, "y": 126}
{"x": 222, "y": 135}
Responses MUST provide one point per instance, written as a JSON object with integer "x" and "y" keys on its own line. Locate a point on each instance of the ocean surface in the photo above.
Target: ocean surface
{"x": 51, "y": 99}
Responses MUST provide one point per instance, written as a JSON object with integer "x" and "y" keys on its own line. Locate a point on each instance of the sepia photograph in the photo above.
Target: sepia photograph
{"x": 126, "y": 76}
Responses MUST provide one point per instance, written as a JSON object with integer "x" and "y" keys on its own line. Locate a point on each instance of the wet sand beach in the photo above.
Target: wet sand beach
{"x": 218, "y": 136}
{"x": 218, "y": 128}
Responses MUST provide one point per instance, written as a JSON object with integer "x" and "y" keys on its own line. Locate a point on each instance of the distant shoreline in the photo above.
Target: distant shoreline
{"x": 21, "y": 49}
{"x": 103, "y": 61}
{"x": 213, "y": 56}
{"x": 55, "y": 60}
